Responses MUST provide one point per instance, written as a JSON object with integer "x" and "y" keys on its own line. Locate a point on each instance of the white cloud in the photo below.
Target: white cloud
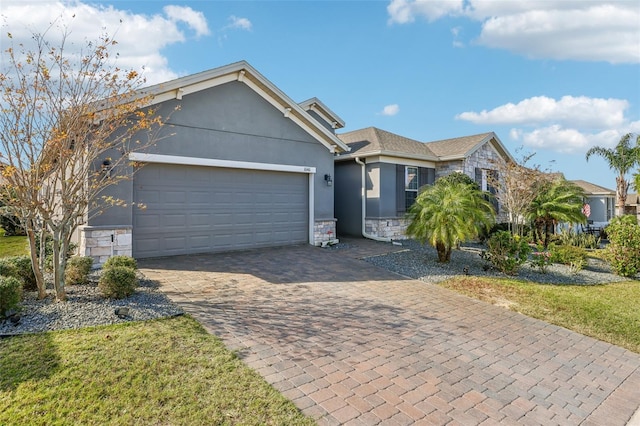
{"x": 557, "y": 29}
{"x": 403, "y": 11}
{"x": 390, "y": 110}
{"x": 579, "y": 111}
{"x": 87, "y": 22}
{"x": 194, "y": 20}
{"x": 240, "y": 23}
{"x": 570, "y": 124}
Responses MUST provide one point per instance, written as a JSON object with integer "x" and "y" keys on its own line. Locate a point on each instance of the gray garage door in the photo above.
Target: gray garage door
{"x": 193, "y": 209}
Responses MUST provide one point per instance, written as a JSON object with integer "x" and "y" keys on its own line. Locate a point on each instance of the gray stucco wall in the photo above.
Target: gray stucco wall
{"x": 348, "y": 199}
{"x": 381, "y": 190}
{"x": 232, "y": 122}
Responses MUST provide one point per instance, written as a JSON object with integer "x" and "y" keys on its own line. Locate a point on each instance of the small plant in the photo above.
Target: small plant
{"x": 583, "y": 240}
{"x": 506, "y": 252}
{"x": 10, "y": 294}
{"x": 572, "y": 256}
{"x": 120, "y": 260}
{"x": 117, "y": 282}
{"x": 24, "y": 271}
{"x": 78, "y": 269}
{"x": 540, "y": 259}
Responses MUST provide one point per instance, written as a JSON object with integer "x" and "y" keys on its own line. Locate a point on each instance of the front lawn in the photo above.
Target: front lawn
{"x": 157, "y": 372}
{"x": 607, "y": 312}
{"x": 13, "y": 246}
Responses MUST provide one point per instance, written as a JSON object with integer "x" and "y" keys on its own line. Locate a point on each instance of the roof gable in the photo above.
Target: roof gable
{"x": 316, "y": 105}
{"x": 462, "y": 147}
{"x": 593, "y": 189}
{"x": 245, "y": 73}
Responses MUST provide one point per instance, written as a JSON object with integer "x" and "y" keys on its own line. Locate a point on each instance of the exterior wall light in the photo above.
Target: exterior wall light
{"x": 327, "y": 178}
{"x": 106, "y": 167}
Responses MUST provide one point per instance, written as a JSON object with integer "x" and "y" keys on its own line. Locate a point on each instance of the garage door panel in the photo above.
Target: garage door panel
{"x": 191, "y": 209}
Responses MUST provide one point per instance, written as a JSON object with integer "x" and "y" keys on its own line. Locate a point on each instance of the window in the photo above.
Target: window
{"x": 410, "y": 185}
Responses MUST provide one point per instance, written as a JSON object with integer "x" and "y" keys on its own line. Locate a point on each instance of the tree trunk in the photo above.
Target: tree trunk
{"x": 444, "y": 253}
{"x": 35, "y": 264}
{"x": 58, "y": 267}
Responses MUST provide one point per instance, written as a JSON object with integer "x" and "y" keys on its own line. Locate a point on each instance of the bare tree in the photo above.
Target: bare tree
{"x": 516, "y": 187}
{"x": 69, "y": 119}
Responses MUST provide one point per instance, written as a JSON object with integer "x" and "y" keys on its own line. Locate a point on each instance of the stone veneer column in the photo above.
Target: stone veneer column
{"x": 102, "y": 242}
{"x": 393, "y": 228}
{"x": 324, "y": 232}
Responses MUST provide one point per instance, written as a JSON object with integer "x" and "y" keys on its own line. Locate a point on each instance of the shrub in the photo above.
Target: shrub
{"x": 7, "y": 269}
{"x": 574, "y": 257}
{"x": 10, "y": 294}
{"x": 117, "y": 282}
{"x": 24, "y": 271}
{"x": 623, "y": 251}
{"x": 507, "y": 252}
{"x": 120, "y": 260}
{"x": 78, "y": 269}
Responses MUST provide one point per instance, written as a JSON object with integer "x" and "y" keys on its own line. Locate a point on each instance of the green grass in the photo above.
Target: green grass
{"x": 169, "y": 372}
{"x": 606, "y": 312}
{"x": 13, "y": 246}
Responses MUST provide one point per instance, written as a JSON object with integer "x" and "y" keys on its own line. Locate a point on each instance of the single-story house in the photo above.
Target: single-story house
{"x": 601, "y": 202}
{"x": 379, "y": 178}
{"x": 244, "y": 167}
{"x": 632, "y": 205}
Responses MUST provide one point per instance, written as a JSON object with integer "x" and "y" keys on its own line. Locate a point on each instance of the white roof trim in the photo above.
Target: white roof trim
{"x": 317, "y": 106}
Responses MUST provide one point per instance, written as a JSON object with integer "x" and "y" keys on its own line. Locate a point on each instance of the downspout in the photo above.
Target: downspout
{"x": 363, "y": 189}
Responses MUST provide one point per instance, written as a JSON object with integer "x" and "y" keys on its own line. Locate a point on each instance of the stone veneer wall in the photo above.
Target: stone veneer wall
{"x": 393, "y": 228}
{"x": 447, "y": 167}
{"x": 485, "y": 158}
{"x": 324, "y": 230}
{"x": 101, "y": 242}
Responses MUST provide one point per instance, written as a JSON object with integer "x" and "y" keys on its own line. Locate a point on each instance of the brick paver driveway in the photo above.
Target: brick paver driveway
{"x": 353, "y": 344}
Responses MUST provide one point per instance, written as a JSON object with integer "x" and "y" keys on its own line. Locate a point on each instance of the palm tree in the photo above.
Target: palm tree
{"x": 557, "y": 201}
{"x": 621, "y": 158}
{"x": 449, "y": 212}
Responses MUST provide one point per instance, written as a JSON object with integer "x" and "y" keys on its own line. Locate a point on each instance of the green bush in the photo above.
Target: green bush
{"x": 120, "y": 260}
{"x": 117, "y": 282}
{"x": 623, "y": 251}
{"x": 10, "y": 294}
{"x": 24, "y": 271}
{"x": 572, "y": 256}
{"x": 8, "y": 269}
{"x": 78, "y": 269}
{"x": 507, "y": 252}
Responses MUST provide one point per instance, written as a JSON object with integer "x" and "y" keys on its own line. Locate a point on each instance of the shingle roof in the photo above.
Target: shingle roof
{"x": 372, "y": 140}
{"x": 593, "y": 189}
{"x": 458, "y": 147}
{"x": 632, "y": 200}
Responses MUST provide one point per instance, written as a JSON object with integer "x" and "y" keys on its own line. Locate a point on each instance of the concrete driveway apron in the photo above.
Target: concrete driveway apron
{"x": 353, "y": 344}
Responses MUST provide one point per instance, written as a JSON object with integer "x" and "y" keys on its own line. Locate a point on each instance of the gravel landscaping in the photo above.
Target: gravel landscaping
{"x": 86, "y": 307}
{"x": 421, "y": 262}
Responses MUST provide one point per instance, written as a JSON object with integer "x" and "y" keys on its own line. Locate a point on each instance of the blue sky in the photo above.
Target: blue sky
{"x": 554, "y": 77}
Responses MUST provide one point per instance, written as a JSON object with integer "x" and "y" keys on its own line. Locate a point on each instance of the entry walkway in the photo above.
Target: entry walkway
{"x": 353, "y": 344}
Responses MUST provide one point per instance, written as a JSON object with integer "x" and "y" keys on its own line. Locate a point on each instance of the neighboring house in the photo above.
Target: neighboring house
{"x": 245, "y": 167}
{"x": 379, "y": 178}
{"x": 632, "y": 205}
{"x": 601, "y": 202}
